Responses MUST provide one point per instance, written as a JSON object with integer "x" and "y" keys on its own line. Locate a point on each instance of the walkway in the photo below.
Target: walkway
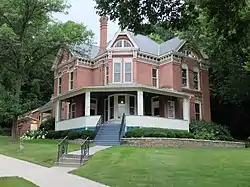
{"x": 42, "y": 176}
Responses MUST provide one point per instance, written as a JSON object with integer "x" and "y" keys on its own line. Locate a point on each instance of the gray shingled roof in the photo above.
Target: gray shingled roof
{"x": 84, "y": 50}
{"x": 48, "y": 106}
{"x": 144, "y": 43}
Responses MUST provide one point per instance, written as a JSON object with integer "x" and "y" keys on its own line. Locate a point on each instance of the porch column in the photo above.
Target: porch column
{"x": 87, "y": 103}
{"x": 140, "y": 106}
{"x": 58, "y": 110}
{"x": 186, "y": 109}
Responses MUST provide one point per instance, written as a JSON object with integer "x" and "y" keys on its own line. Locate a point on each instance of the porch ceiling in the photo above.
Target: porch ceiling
{"x": 123, "y": 88}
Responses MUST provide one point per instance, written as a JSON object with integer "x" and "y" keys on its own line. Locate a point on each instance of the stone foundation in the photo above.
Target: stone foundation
{"x": 179, "y": 143}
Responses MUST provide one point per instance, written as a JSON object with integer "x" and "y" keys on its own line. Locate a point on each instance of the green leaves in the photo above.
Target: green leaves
{"x": 29, "y": 42}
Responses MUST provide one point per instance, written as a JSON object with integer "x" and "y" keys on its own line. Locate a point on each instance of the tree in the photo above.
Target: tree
{"x": 29, "y": 40}
{"x": 220, "y": 28}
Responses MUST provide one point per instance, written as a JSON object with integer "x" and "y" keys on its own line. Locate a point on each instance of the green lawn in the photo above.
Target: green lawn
{"x": 15, "y": 182}
{"x": 42, "y": 152}
{"x": 163, "y": 167}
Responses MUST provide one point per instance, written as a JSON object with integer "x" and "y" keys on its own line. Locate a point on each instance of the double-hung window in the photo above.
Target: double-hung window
{"x": 59, "y": 85}
{"x": 196, "y": 79}
{"x": 71, "y": 80}
{"x": 171, "y": 109}
{"x": 117, "y": 72}
{"x": 154, "y": 77}
{"x": 197, "y": 106}
{"x": 184, "y": 75}
{"x": 127, "y": 71}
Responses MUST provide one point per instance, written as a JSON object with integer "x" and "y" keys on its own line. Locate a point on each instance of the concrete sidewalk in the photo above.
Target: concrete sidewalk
{"x": 42, "y": 176}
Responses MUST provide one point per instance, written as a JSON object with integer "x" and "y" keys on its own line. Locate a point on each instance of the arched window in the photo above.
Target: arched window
{"x": 123, "y": 43}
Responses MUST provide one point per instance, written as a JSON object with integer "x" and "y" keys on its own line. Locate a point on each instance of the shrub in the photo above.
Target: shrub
{"x": 88, "y": 133}
{"x": 48, "y": 125}
{"x": 157, "y": 132}
{"x": 209, "y": 131}
{"x": 31, "y": 135}
{"x": 72, "y": 135}
{"x": 5, "y": 131}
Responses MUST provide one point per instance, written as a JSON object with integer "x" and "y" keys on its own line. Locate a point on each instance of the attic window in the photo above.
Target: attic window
{"x": 123, "y": 43}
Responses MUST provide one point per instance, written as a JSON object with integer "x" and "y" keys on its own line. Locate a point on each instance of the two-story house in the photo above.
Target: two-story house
{"x": 155, "y": 85}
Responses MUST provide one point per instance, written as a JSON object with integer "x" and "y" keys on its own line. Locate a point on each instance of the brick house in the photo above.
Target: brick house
{"x": 156, "y": 85}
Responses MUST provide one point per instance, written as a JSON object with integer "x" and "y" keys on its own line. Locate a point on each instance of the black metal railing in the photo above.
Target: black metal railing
{"x": 84, "y": 149}
{"x": 122, "y": 128}
{"x": 62, "y": 148}
{"x": 98, "y": 126}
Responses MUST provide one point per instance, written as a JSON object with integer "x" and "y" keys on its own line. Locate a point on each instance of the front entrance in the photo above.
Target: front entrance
{"x": 117, "y": 104}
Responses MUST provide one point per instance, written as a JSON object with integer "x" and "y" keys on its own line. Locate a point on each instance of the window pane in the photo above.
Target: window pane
{"x": 117, "y": 77}
{"x": 112, "y": 102}
{"x": 121, "y": 99}
{"x": 184, "y": 73}
{"x": 71, "y": 84}
{"x": 117, "y": 67}
{"x": 197, "y": 116}
{"x": 128, "y": 67}
{"x": 126, "y": 44}
{"x": 154, "y": 82}
{"x": 154, "y": 73}
{"x": 132, "y": 101}
{"x": 71, "y": 76}
{"x": 195, "y": 76}
{"x": 184, "y": 82}
{"x": 118, "y": 44}
{"x": 127, "y": 77}
{"x": 197, "y": 108}
{"x": 156, "y": 111}
{"x": 196, "y": 85}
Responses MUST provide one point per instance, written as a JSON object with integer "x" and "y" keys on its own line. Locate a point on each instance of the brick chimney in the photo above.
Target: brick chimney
{"x": 103, "y": 33}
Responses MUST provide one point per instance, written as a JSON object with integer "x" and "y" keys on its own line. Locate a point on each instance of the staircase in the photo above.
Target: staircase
{"x": 108, "y": 134}
{"x": 72, "y": 161}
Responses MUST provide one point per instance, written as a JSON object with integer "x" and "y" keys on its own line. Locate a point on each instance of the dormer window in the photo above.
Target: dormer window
{"x": 123, "y": 43}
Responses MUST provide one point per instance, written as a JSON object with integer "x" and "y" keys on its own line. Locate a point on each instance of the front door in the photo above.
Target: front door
{"x": 121, "y": 106}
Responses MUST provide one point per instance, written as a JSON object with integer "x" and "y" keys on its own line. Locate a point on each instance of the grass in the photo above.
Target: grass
{"x": 15, "y": 181}
{"x": 163, "y": 167}
{"x": 42, "y": 152}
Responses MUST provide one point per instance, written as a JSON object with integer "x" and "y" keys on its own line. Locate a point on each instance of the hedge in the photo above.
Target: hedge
{"x": 198, "y": 130}
{"x": 72, "y": 134}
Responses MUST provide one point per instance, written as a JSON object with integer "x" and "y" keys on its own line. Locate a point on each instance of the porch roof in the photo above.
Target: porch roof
{"x": 123, "y": 87}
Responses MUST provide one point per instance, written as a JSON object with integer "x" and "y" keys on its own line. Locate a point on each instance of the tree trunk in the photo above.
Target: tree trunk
{"x": 14, "y": 129}
{"x": 17, "y": 99}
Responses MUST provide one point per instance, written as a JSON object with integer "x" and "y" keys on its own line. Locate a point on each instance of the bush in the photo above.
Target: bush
{"x": 72, "y": 135}
{"x": 5, "y": 131}
{"x": 88, "y": 133}
{"x": 157, "y": 132}
{"x": 48, "y": 125}
{"x": 209, "y": 131}
{"x": 31, "y": 135}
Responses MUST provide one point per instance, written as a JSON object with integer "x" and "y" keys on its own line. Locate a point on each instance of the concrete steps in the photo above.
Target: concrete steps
{"x": 70, "y": 160}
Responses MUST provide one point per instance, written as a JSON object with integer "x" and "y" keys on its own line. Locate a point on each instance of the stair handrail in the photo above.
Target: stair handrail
{"x": 98, "y": 126}
{"x": 123, "y": 124}
{"x": 84, "y": 149}
{"x": 62, "y": 148}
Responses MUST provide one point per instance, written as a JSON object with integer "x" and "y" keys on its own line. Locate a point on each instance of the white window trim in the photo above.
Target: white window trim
{"x": 198, "y": 102}
{"x": 184, "y": 66}
{"x": 70, "y": 80}
{"x": 157, "y": 77}
{"x": 106, "y": 75}
{"x": 117, "y": 60}
{"x": 198, "y": 72}
{"x": 123, "y": 40}
{"x": 58, "y": 85}
{"x": 173, "y": 109}
{"x": 127, "y": 60}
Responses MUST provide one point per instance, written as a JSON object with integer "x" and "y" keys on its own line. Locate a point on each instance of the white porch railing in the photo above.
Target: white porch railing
{"x": 157, "y": 122}
{"x": 77, "y": 123}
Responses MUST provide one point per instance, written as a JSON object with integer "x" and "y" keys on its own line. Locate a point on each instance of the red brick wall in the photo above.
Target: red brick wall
{"x": 166, "y": 78}
{"x": 205, "y": 95}
{"x": 144, "y": 73}
{"x": 84, "y": 77}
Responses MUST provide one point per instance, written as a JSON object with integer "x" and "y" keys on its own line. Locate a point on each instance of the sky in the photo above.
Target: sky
{"x": 83, "y": 11}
